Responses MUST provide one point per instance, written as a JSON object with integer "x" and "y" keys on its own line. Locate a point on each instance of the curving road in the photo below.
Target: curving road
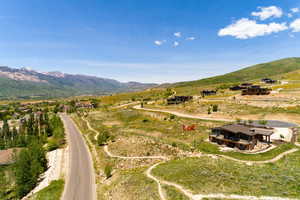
{"x": 80, "y": 183}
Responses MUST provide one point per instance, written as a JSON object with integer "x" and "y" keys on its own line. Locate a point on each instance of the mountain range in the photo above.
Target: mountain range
{"x": 25, "y": 83}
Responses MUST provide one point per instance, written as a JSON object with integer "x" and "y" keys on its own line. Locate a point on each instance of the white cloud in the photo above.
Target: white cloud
{"x": 175, "y": 44}
{"x": 245, "y": 28}
{"x": 190, "y": 38}
{"x": 159, "y": 42}
{"x": 295, "y": 25}
{"x": 177, "y": 34}
{"x": 290, "y": 15}
{"x": 295, "y": 10}
{"x": 267, "y": 12}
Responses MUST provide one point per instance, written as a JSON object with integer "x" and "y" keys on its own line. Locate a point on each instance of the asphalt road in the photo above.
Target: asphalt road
{"x": 80, "y": 183}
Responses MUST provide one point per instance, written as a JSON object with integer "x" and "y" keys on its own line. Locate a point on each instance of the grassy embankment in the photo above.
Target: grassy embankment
{"x": 206, "y": 175}
{"x": 51, "y": 192}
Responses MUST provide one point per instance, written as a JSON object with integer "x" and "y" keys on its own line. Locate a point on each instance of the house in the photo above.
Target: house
{"x": 246, "y": 84}
{"x": 241, "y": 136}
{"x": 84, "y": 104}
{"x": 178, "y": 99}
{"x": 236, "y": 87}
{"x": 208, "y": 92}
{"x": 268, "y": 80}
{"x": 241, "y": 86}
{"x": 256, "y": 90}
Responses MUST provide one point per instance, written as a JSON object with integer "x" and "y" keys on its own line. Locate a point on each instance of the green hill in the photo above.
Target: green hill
{"x": 275, "y": 69}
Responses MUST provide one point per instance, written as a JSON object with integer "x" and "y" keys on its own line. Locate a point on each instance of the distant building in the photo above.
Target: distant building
{"x": 256, "y": 90}
{"x": 84, "y": 104}
{"x": 241, "y": 86}
{"x": 178, "y": 99}
{"x": 241, "y": 136}
{"x": 208, "y": 92}
{"x": 268, "y": 81}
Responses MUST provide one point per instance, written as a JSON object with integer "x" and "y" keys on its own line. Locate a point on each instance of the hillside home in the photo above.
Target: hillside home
{"x": 268, "y": 81}
{"x": 256, "y": 90}
{"x": 84, "y": 104}
{"x": 178, "y": 99}
{"x": 208, "y": 92}
{"x": 241, "y": 136}
{"x": 241, "y": 86}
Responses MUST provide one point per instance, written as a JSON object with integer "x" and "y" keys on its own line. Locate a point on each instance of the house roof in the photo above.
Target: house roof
{"x": 246, "y": 129}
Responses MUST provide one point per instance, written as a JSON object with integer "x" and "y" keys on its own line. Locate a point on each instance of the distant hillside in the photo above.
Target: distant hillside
{"x": 25, "y": 83}
{"x": 276, "y": 69}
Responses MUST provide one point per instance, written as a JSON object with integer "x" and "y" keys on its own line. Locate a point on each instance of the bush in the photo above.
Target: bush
{"x": 172, "y": 116}
{"x": 145, "y": 120}
{"x": 263, "y": 122}
{"x": 52, "y": 145}
{"x": 209, "y": 110}
{"x": 174, "y": 144}
{"x": 103, "y": 138}
{"x": 108, "y": 171}
{"x": 215, "y": 108}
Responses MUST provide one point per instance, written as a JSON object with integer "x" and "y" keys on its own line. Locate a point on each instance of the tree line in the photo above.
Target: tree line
{"x": 35, "y": 132}
{"x": 37, "y": 127}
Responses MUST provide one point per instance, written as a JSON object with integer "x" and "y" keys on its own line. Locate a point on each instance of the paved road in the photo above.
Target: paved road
{"x": 80, "y": 184}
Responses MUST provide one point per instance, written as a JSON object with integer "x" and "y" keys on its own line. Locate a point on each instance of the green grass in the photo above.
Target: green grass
{"x": 129, "y": 185}
{"x": 206, "y": 175}
{"x": 213, "y": 149}
{"x": 173, "y": 193}
{"x": 52, "y": 192}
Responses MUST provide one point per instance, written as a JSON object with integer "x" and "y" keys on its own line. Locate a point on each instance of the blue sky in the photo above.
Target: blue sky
{"x": 147, "y": 41}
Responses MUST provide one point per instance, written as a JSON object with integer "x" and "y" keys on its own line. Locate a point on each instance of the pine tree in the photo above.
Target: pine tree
{"x": 6, "y": 133}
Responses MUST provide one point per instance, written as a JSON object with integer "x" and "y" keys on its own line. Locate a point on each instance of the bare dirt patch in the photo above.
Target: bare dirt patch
{"x": 141, "y": 146}
{"x": 111, "y": 123}
{"x": 6, "y": 156}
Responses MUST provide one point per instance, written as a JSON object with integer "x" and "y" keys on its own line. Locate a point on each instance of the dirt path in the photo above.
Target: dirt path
{"x": 278, "y": 157}
{"x": 149, "y": 175}
{"x": 138, "y": 107}
{"x": 132, "y": 157}
{"x": 124, "y": 105}
{"x": 187, "y": 192}
{"x": 91, "y": 128}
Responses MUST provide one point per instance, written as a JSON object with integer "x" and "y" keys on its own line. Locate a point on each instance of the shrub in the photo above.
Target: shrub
{"x": 145, "y": 120}
{"x": 172, "y": 116}
{"x": 108, "y": 171}
{"x": 209, "y": 110}
{"x": 263, "y": 122}
{"x": 215, "y": 108}
{"x": 174, "y": 144}
{"x": 103, "y": 138}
